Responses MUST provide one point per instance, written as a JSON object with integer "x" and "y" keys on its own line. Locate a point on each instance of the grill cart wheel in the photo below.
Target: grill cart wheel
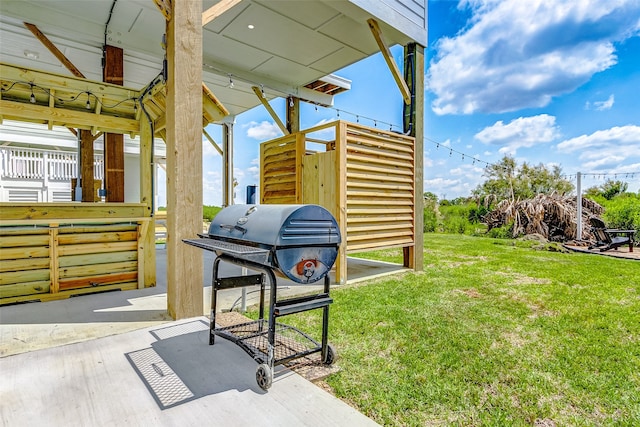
{"x": 264, "y": 376}
{"x": 331, "y": 355}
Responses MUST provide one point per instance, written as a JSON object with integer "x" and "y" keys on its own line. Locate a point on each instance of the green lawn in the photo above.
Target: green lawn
{"x": 491, "y": 333}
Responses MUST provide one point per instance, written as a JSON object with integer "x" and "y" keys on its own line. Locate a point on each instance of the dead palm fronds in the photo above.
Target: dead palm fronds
{"x": 551, "y": 216}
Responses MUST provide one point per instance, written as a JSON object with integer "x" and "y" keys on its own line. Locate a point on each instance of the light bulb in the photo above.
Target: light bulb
{"x": 32, "y": 98}
{"x": 291, "y": 101}
{"x": 88, "y": 105}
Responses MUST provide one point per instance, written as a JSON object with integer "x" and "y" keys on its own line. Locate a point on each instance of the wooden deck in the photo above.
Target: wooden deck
{"x": 621, "y": 252}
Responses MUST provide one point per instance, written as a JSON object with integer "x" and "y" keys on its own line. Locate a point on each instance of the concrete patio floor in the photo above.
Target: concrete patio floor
{"x": 117, "y": 358}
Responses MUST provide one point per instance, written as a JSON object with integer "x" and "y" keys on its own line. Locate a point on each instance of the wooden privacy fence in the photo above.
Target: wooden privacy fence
{"x": 364, "y": 176}
{"x": 46, "y": 259}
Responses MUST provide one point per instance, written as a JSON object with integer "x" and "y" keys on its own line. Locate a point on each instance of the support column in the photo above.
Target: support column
{"x": 86, "y": 165}
{"x": 146, "y": 196}
{"x": 184, "y": 159}
{"x": 227, "y": 164}
{"x": 293, "y": 114}
{"x": 114, "y": 143}
{"x": 414, "y": 124}
{"x": 579, "y": 206}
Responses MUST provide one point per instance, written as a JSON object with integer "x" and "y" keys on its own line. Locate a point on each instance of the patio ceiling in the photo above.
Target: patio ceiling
{"x": 281, "y": 45}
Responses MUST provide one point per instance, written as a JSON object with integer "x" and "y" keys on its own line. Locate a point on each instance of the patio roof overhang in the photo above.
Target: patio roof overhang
{"x": 284, "y": 46}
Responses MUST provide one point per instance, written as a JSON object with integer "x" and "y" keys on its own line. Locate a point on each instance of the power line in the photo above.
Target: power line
{"x": 601, "y": 175}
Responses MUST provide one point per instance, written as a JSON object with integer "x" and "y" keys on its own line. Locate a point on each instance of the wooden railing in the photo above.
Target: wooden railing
{"x": 33, "y": 164}
{"x": 51, "y": 251}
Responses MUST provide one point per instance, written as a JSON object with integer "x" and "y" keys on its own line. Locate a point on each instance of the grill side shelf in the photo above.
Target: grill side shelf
{"x": 258, "y": 255}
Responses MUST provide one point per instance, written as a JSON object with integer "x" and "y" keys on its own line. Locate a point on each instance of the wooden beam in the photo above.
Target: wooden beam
{"x": 117, "y": 101}
{"x": 54, "y": 50}
{"x": 386, "y": 53}
{"x": 217, "y": 9}
{"x": 62, "y": 117}
{"x": 215, "y": 145}
{"x": 114, "y": 65}
{"x": 272, "y": 113}
{"x": 184, "y": 159}
{"x": 97, "y": 135}
{"x": 165, "y": 8}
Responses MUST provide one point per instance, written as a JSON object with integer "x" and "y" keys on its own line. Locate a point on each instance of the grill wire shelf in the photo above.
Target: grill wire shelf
{"x": 290, "y": 343}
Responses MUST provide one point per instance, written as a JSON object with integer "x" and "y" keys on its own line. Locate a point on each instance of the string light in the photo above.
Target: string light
{"x": 602, "y": 175}
{"x": 60, "y": 100}
{"x": 230, "y": 86}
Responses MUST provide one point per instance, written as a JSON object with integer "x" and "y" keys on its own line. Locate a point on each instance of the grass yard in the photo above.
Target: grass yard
{"x": 492, "y": 333}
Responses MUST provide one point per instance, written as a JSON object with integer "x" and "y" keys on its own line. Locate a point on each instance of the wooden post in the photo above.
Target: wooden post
{"x": 147, "y": 236}
{"x": 414, "y": 124}
{"x": 293, "y": 114}
{"x": 86, "y": 164}
{"x": 184, "y": 159}
{"x": 114, "y": 143}
{"x": 341, "y": 201}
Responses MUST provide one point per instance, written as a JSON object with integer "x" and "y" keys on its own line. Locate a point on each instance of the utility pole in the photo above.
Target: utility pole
{"x": 579, "y": 206}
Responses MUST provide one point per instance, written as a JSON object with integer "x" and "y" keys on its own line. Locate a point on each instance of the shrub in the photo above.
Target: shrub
{"x": 430, "y": 220}
{"x": 209, "y": 212}
{"x": 504, "y": 232}
{"x": 623, "y": 212}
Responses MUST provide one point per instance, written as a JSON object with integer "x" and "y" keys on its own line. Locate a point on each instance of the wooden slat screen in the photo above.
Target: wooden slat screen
{"x": 380, "y": 188}
{"x": 280, "y": 164}
{"x": 376, "y": 189}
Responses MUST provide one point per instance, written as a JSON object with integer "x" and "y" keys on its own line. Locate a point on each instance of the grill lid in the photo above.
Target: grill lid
{"x": 276, "y": 225}
{"x": 299, "y": 241}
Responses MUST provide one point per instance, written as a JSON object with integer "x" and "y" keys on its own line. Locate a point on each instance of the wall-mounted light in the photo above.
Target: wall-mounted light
{"x": 291, "y": 101}
{"x": 31, "y": 54}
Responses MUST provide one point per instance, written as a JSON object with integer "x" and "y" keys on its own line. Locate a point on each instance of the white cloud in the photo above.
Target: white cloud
{"x": 604, "y": 105}
{"x": 212, "y": 188}
{"x": 446, "y": 188}
{"x": 208, "y": 150}
{"x": 605, "y": 149}
{"x": 263, "y": 131}
{"x": 520, "y": 132}
{"x": 517, "y": 54}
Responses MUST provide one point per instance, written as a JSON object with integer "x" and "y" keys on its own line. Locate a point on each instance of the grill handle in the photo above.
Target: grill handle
{"x": 233, "y": 227}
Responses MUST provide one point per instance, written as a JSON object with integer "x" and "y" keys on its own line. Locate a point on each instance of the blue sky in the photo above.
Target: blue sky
{"x": 552, "y": 82}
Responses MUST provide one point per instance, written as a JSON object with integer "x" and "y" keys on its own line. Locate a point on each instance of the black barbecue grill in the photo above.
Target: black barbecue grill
{"x": 298, "y": 242}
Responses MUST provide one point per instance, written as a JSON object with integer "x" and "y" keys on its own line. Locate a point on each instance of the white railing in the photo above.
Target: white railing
{"x": 32, "y": 164}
